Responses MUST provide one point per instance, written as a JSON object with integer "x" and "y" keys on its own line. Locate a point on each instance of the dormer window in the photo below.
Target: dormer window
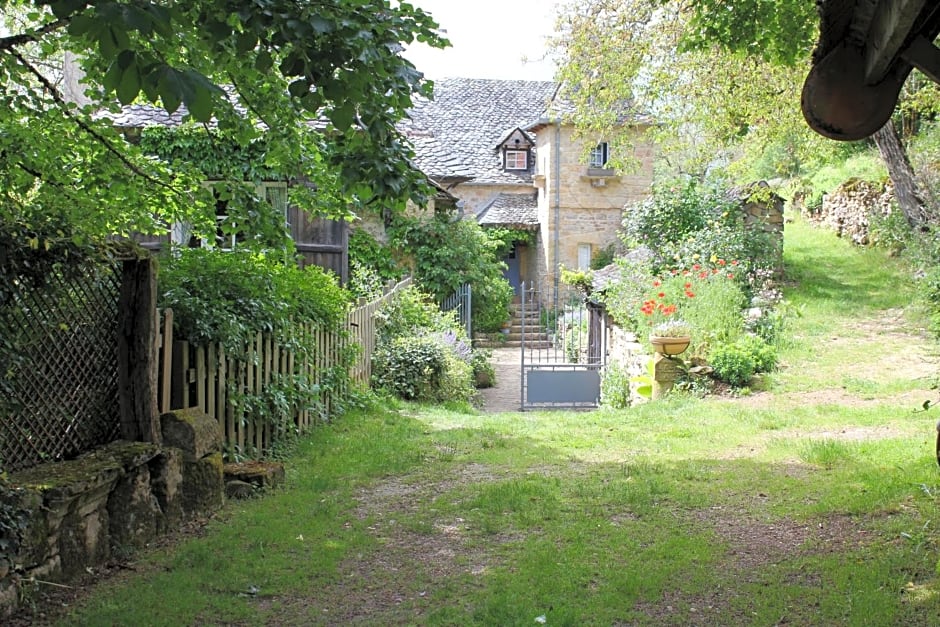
{"x": 600, "y": 155}
{"x": 517, "y": 159}
{"x": 516, "y": 145}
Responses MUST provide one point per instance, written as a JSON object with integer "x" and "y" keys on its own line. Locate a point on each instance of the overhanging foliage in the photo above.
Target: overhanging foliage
{"x": 287, "y": 63}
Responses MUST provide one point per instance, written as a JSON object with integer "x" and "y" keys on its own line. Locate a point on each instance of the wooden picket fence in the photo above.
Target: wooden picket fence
{"x": 207, "y": 378}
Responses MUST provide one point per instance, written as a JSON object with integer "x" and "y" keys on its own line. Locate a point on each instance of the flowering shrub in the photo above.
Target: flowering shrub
{"x": 706, "y": 298}
{"x": 687, "y": 222}
{"x": 422, "y": 353}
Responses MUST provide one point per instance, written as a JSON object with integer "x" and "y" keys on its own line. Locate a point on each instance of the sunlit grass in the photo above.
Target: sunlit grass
{"x": 811, "y": 504}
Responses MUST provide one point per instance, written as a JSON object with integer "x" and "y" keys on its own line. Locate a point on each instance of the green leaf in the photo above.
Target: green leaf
{"x": 263, "y": 61}
{"x": 197, "y": 95}
{"x": 342, "y": 116}
{"x": 298, "y": 88}
{"x": 130, "y": 85}
{"x": 171, "y": 89}
{"x": 64, "y": 8}
{"x": 112, "y": 78}
{"x": 245, "y": 42}
{"x": 112, "y": 41}
{"x": 82, "y": 25}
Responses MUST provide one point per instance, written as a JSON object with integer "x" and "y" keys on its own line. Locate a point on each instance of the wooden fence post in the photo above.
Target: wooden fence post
{"x": 137, "y": 353}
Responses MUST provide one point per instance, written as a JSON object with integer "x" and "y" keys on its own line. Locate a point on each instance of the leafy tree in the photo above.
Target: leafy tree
{"x": 285, "y": 65}
{"x": 716, "y": 76}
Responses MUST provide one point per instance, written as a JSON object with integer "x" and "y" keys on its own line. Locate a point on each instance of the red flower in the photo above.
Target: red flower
{"x": 734, "y": 262}
{"x": 696, "y": 267}
{"x": 688, "y": 286}
{"x": 703, "y": 274}
{"x": 730, "y": 275}
{"x": 689, "y": 294}
{"x": 657, "y": 283}
{"x": 662, "y": 295}
{"x": 714, "y": 270}
{"x": 721, "y": 262}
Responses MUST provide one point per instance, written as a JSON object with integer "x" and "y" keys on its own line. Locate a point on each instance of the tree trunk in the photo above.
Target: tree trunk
{"x": 901, "y": 173}
{"x": 137, "y": 352}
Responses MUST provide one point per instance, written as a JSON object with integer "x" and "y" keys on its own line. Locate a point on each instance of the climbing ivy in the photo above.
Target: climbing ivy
{"x": 447, "y": 253}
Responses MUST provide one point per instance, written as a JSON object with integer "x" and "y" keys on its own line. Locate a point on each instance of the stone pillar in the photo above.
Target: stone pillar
{"x": 665, "y": 373}
{"x": 199, "y": 437}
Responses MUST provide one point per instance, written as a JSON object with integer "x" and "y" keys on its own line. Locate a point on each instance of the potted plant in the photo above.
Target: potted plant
{"x": 671, "y": 337}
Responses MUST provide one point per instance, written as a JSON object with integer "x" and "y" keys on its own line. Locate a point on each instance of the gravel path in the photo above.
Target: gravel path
{"x": 506, "y": 394}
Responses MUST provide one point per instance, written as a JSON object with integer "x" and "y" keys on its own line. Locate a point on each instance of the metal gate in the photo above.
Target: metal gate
{"x": 564, "y": 349}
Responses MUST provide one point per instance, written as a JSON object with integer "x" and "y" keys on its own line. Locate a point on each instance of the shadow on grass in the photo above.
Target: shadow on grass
{"x": 389, "y": 520}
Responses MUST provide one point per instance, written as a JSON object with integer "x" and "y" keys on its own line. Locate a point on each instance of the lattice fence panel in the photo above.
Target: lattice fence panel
{"x": 61, "y": 383}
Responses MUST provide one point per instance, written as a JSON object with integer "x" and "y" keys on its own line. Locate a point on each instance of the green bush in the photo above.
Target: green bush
{"x": 685, "y": 222}
{"x": 484, "y": 374}
{"x": 762, "y": 354}
{"x": 891, "y": 232}
{"x": 371, "y": 265}
{"x": 422, "y": 369}
{"x": 422, "y": 353}
{"x": 447, "y": 254}
{"x": 673, "y": 211}
{"x": 412, "y": 312}
{"x": 732, "y": 364}
{"x": 229, "y": 296}
{"x": 716, "y": 310}
{"x": 867, "y": 166}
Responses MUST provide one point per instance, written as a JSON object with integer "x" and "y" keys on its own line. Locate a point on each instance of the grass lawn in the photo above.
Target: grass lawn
{"x": 811, "y": 501}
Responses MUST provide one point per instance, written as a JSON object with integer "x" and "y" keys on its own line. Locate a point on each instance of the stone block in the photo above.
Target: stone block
{"x": 258, "y": 473}
{"x": 166, "y": 479}
{"x": 83, "y": 541}
{"x": 202, "y": 486}
{"x": 191, "y": 430}
{"x": 132, "y": 511}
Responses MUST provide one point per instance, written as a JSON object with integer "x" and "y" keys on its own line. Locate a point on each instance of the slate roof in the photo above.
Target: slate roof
{"x": 456, "y": 134}
{"x": 511, "y": 210}
{"x": 146, "y": 114}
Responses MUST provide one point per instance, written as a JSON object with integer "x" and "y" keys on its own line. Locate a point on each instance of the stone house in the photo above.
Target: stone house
{"x": 506, "y": 151}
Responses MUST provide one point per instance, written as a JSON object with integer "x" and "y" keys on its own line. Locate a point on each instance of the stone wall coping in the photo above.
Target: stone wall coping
{"x": 68, "y": 479}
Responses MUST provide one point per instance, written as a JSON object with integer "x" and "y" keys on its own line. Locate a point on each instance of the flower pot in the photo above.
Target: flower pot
{"x": 670, "y": 345}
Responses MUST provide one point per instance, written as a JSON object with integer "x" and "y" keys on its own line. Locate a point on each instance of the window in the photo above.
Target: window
{"x": 517, "y": 159}
{"x": 584, "y": 256}
{"x": 600, "y": 155}
{"x": 228, "y": 233}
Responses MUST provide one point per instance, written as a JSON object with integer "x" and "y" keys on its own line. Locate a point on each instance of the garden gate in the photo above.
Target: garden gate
{"x": 564, "y": 349}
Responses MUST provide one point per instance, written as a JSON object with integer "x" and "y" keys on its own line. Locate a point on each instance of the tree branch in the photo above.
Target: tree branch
{"x": 246, "y": 100}
{"x": 8, "y": 43}
{"x": 82, "y": 124}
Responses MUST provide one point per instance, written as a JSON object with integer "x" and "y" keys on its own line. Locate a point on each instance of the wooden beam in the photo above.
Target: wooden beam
{"x": 891, "y": 26}
{"x": 924, "y": 56}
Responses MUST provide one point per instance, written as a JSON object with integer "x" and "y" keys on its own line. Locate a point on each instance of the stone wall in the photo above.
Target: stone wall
{"x": 846, "y": 210}
{"x": 590, "y": 201}
{"x": 475, "y": 196}
{"x": 111, "y": 501}
{"x": 763, "y": 210}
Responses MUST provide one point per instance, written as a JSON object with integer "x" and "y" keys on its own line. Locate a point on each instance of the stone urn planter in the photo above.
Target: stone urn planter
{"x": 670, "y": 345}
